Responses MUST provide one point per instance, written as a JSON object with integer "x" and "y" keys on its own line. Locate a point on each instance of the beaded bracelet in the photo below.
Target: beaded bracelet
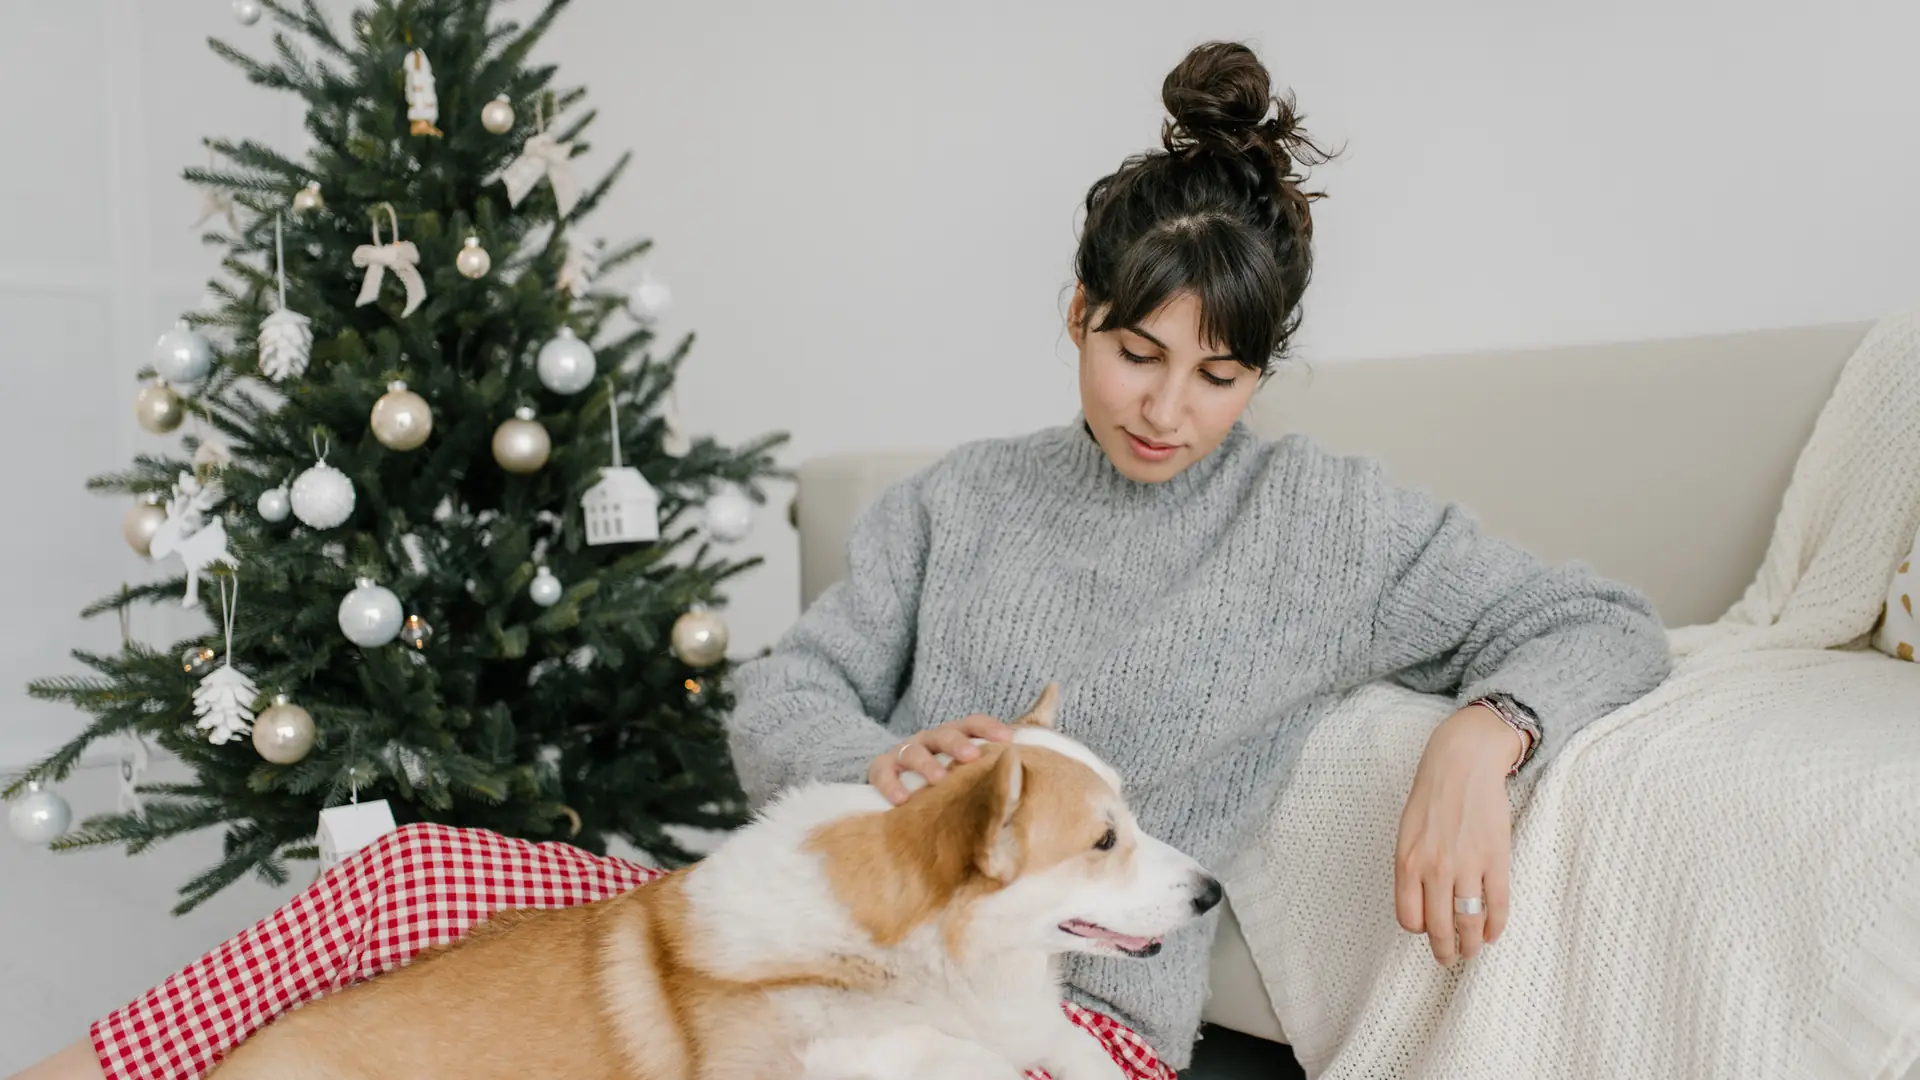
{"x": 1519, "y": 718}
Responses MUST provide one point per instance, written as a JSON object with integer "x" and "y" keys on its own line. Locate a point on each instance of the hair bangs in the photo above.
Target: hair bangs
{"x": 1227, "y": 272}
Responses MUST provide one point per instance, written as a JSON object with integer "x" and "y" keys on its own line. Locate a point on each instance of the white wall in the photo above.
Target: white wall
{"x": 866, "y": 211}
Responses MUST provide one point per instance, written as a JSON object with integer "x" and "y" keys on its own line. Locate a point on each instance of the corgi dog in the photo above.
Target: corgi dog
{"x": 834, "y": 937}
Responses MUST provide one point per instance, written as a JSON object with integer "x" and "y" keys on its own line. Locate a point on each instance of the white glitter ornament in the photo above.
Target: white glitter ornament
{"x": 565, "y": 364}
{"x": 182, "y": 356}
{"x": 729, "y": 515}
{"x": 40, "y": 816}
{"x": 322, "y": 496}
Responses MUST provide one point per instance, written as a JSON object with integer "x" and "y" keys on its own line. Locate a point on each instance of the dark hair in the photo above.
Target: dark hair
{"x": 1217, "y": 211}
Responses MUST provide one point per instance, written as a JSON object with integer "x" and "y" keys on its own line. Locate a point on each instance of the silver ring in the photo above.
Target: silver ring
{"x": 1466, "y": 905}
{"x": 897, "y": 758}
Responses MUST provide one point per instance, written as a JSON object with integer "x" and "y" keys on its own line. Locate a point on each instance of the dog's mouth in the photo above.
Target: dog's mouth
{"x": 1126, "y": 943}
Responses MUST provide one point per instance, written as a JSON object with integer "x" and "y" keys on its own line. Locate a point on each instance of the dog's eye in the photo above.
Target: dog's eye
{"x": 1107, "y": 840}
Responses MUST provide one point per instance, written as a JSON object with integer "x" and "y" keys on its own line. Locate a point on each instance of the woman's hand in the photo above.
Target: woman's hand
{"x": 953, "y": 738}
{"x": 1455, "y": 835}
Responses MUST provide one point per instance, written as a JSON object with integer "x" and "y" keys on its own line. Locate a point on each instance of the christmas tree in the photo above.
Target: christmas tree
{"x": 395, "y": 496}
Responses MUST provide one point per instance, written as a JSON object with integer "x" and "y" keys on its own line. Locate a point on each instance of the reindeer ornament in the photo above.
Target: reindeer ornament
{"x": 193, "y": 532}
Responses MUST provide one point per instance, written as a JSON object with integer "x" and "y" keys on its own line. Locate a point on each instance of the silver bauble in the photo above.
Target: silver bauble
{"x": 546, "y": 588}
{"x": 729, "y": 516}
{"x": 274, "y": 506}
{"x": 497, "y": 115}
{"x": 308, "y": 199}
{"x": 401, "y": 419}
{"x": 521, "y": 445}
{"x": 247, "y": 11}
{"x": 182, "y": 355}
{"x": 473, "y": 260}
{"x": 283, "y": 733}
{"x": 40, "y": 816}
{"x": 322, "y": 496}
{"x": 699, "y": 638}
{"x": 139, "y": 524}
{"x": 370, "y": 615}
{"x": 159, "y": 409}
{"x": 565, "y": 364}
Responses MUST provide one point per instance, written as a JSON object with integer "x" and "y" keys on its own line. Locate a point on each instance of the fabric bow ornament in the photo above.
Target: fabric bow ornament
{"x": 400, "y": 256}
{"x": 543, "y": 155}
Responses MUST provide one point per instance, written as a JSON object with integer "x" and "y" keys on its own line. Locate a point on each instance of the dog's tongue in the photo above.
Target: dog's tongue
{"x": 1125, "y": 941}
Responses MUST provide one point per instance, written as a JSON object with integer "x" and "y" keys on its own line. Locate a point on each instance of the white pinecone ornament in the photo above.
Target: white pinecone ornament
{"x": 286, "y": 336}
{"x": 224, "y": 703}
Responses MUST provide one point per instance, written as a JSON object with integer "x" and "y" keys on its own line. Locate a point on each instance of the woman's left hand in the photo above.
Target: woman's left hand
{"x": 1455, "y": 835}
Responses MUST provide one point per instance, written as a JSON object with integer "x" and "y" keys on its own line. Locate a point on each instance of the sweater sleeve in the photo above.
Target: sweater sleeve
{"x": 810, "y": 709}
{"x": 1466, "y": 614}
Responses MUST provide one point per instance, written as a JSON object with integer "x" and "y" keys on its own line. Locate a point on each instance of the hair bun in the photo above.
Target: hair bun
{"x": 1220, "y": 97}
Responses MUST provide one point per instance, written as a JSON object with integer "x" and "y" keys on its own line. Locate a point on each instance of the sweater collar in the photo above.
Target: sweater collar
{"x": 1083, "y": 465}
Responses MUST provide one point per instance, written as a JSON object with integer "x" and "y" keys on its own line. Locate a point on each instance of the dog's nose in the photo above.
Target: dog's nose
{"x": 1209, "y": 897}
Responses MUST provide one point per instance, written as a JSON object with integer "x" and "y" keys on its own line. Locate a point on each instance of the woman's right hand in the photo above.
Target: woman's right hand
{"x": 916, "y": 754}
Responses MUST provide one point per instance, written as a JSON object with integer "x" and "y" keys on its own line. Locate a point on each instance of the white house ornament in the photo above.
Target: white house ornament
{"x": 138, "y": 525}
{"x": 346, "y": 829}
{"x": 274, "y": 505}
{"x": 423, "y": 105}
{"x": 399, "y": 256}
{"x": 565, "y": 363}
{"x": 728, "y": 515}
{"x": 182, "y": 355}
{"x": 521, "y": 445}
{"x": 192, "y": 531}
{"x": 473, "y": 260}
{"x": 546, "y": 588}
{"x": 308, "y": 199}
{"x": 322, "y": 496}
{"x": 40, "y": 816}
{"x": 370, "y": 615}
{"x": 622, "y": 507}
{"x": 283, "y": 733}
{"x": 497, "y": 115}
{"x": 158, "y": 408}
{"x": 286, "y": 336}
{"x": 401, "y": 419}
{"x": 699, "y": 638}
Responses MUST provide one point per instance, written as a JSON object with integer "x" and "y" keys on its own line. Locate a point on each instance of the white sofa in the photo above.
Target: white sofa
{"x": 1661, "y": 462}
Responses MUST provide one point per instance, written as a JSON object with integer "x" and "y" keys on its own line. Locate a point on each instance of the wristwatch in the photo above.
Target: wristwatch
{"x": 1519, "y": 718}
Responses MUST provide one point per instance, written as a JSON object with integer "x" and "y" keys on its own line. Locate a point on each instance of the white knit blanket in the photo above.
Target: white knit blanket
{"x": 1721, "y": 880}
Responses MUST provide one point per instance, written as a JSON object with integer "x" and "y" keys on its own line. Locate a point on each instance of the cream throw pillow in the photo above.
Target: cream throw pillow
{"x": 1899, "y": 633}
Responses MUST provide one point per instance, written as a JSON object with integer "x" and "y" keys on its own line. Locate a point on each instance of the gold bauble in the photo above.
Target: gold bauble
{"x": 142, "y": 520}
{"x": 521, "y": 445}
{"x": 700, "y": 638}
{"x": 401, "y": 418}
{"x": 497, "y": 115}
{"x": 284, "y": 732}
{"x": 473, "y": 260}
{"x": 159, "y": 409}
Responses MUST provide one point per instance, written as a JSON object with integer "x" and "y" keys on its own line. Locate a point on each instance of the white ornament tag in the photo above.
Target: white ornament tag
{"x": 346, "y": 829}
{"x": 190, "y": 532}
{"x": 400, "y": 256}
{"x": 423, "y": 105}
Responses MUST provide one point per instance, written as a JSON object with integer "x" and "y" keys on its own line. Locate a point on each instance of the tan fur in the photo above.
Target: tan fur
{"x": 600, "y": 990}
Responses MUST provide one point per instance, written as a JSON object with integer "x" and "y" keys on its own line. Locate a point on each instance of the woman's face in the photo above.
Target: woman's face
{"x": 1157, "y": 398}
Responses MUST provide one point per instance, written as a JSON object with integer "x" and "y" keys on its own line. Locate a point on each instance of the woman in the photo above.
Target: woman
{"x": 1202, "y": 596}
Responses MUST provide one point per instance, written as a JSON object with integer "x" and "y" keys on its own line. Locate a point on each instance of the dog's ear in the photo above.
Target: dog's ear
{"x": 1045, "y": 709}
{"x": 996, "y": 795}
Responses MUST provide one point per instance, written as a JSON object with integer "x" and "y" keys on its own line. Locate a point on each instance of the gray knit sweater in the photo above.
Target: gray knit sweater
{"x": 1197, "y": 628}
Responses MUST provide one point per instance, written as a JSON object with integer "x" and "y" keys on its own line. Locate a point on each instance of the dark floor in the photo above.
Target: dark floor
{"x": 1229, "y": 1055}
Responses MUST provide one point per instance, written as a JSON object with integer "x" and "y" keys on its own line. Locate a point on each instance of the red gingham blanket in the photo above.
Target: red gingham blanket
{"x": 414, "y": 888}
